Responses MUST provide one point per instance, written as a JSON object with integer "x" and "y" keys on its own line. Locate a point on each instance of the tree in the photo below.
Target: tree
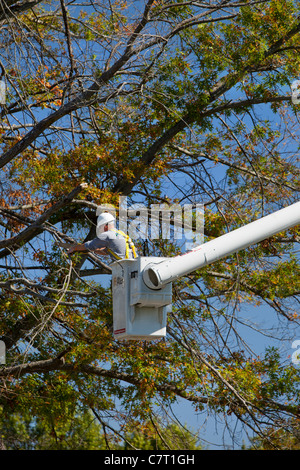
{"x": 76, "y": 431}
{"x": 159, "y": 101}
{"x": 150, "y": 437}
{"x": 285, "y": 440}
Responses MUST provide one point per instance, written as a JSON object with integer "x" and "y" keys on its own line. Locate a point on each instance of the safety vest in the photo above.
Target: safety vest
{"x": 129, "y": 245}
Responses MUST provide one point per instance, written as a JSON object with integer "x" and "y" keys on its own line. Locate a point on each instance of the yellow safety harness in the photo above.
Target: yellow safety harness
{"x": 129, "y": 245}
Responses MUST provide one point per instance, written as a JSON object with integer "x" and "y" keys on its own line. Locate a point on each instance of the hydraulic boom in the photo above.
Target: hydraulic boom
{"x": 158, "y": 274}
{"x": 142, "y": 287}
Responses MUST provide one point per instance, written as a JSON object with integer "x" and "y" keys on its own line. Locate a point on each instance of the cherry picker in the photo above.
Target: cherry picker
{"x": 142, "y": 287}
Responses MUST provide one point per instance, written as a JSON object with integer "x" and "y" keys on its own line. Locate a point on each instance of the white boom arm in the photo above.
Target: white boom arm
{"x": 156, "y": 275}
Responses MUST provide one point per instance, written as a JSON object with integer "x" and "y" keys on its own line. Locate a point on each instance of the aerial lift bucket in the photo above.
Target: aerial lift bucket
{"x": 139, "y": 313}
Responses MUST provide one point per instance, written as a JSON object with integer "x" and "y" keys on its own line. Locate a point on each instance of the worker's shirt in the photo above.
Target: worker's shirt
{"x": 110, "y": 240}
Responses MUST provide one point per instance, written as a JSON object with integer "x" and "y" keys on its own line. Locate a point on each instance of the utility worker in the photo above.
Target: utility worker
{"x": 109, "y": 240}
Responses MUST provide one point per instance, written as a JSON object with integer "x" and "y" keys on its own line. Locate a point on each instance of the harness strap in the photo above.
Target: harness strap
{"x": 129, "y": 245}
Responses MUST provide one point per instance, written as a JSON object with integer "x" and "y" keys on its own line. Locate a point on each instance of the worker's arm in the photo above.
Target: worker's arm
{"x": 74, "y": 248}
{"x": 82, "y": 247}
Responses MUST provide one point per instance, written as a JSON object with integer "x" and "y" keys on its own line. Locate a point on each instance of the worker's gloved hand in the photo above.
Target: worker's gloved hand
{"x": 101, "y": 251}
{"x": 67, "y": 246}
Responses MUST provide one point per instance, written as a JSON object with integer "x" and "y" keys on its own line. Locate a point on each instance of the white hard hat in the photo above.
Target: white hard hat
{"x": 102, "y": 220}
{"x": 105, "y": 218}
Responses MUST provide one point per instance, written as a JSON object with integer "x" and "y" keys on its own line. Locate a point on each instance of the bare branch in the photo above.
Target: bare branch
{"x": 10, "y": 8}
{"x": 31, "y": 231}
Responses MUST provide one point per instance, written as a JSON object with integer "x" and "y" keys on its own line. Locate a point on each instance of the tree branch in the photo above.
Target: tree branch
{"x": 35, "y": 228}
{"x": 221, "y": 87}
{"x": 82, "y": 99}
{"x": 59, "y": 363}
{"x": 10, "y": 8}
